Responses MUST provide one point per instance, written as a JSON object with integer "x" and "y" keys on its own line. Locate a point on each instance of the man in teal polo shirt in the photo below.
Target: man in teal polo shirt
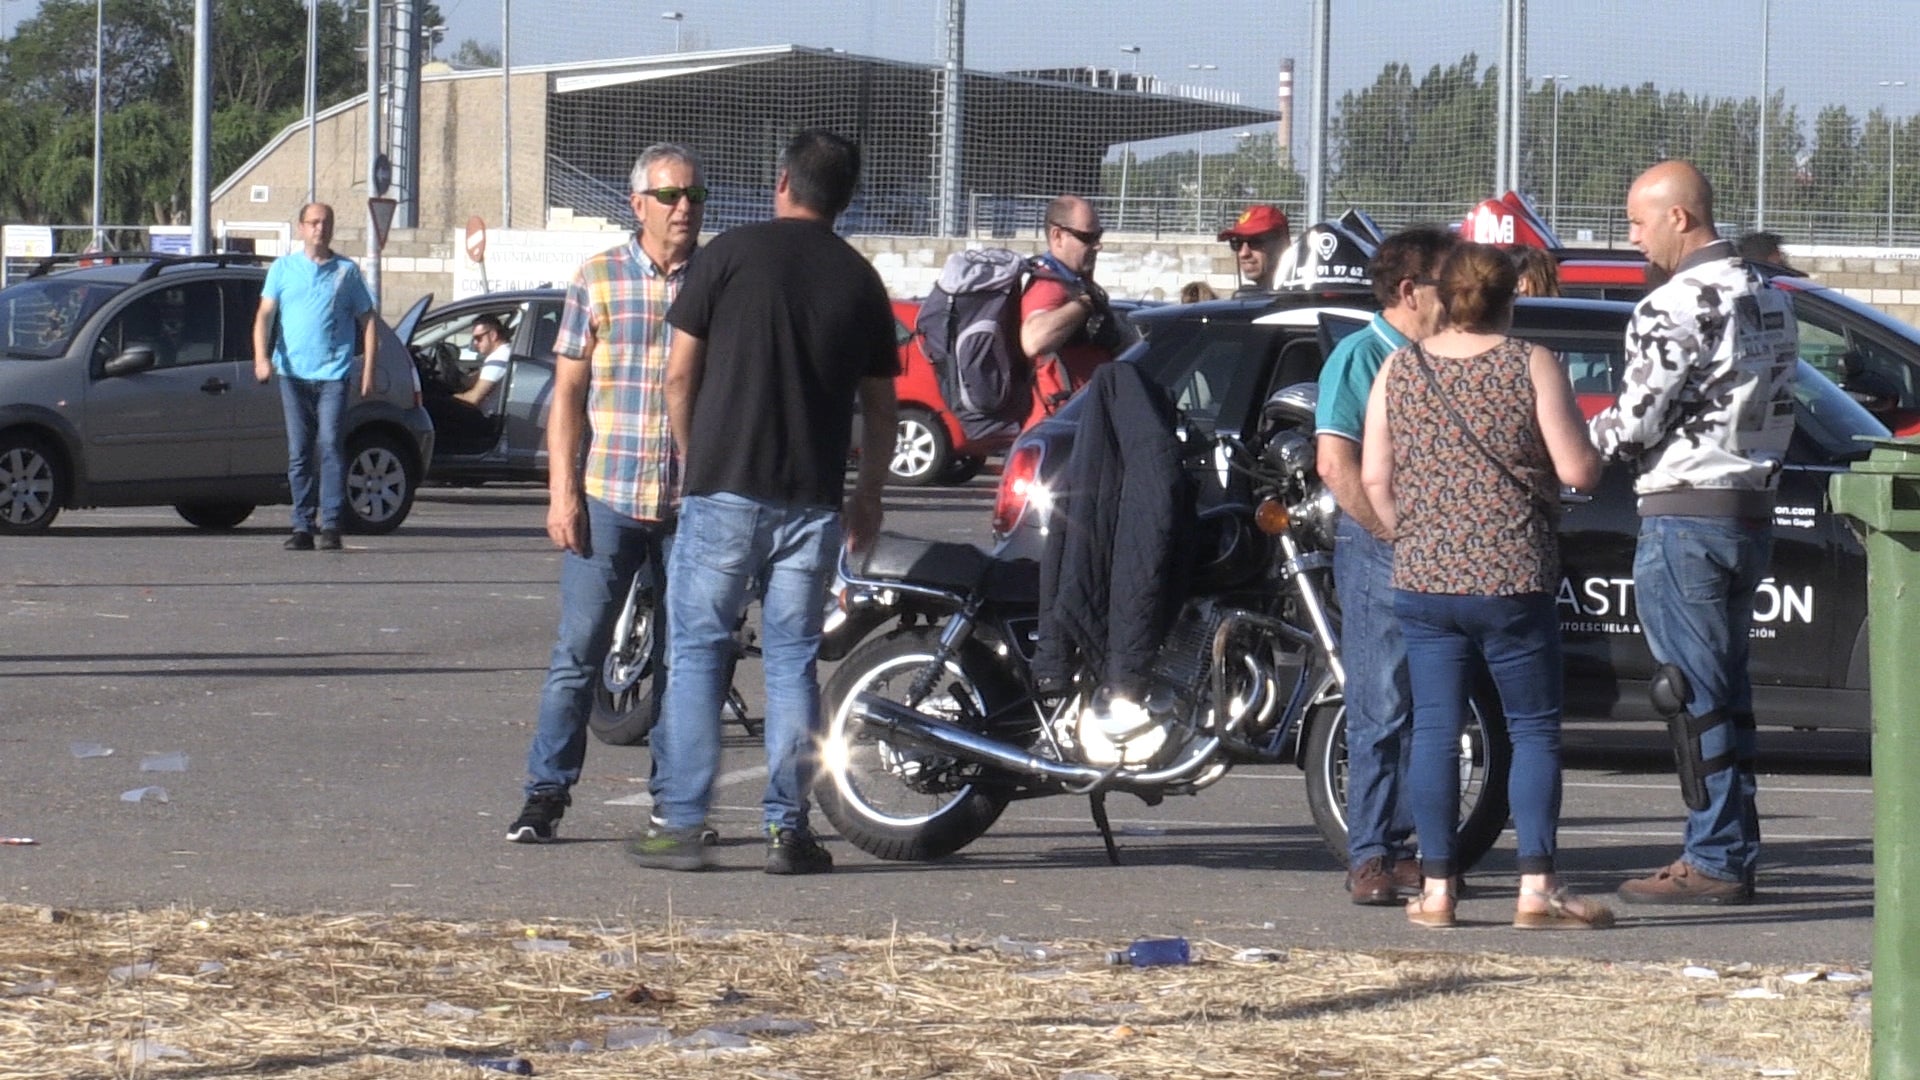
{"x": 1380, "y": 853}
{"x": 319, "y": 299}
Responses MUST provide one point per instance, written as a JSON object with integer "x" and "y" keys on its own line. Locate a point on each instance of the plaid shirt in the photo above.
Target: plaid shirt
{"x": 619, "y": 299}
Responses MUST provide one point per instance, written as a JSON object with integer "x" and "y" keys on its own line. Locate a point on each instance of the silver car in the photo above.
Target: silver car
{"x": 131, "y": 384}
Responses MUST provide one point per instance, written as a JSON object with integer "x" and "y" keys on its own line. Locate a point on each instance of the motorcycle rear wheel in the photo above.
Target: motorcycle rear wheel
{"x": 624, "y": 709}
{"x": 1485, "y": 760}
{"x": 889, "y": 801}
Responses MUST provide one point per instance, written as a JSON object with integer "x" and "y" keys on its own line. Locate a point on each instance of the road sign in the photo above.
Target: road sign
{"x": 382, "y": 174}
{"x": 477, "y": 239}
{"x": 381, "y": 210}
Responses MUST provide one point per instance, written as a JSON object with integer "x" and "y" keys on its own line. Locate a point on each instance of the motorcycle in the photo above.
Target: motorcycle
{"x": 624, "y": 706}
{"x": 934, "y": 727}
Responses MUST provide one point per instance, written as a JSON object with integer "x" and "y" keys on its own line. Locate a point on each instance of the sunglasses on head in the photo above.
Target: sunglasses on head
{"x": 1084, "y": 236}
{"x": 695, "y": 194}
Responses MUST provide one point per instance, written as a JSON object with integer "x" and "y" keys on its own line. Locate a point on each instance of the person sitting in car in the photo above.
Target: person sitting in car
{"x": 491, "y": 344}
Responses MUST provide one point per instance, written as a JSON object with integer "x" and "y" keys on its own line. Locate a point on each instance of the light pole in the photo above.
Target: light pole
{"x": 1553, "y": 83}
{"x": 676, "y": 18}
{"x": 1890, "y": 83}
{"x": 1126, "y": 148}
{"x": 99, "y": 54}
{"x": 1200, "y": 163}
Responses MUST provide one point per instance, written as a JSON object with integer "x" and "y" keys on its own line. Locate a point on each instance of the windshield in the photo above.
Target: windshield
{"x": 39, "y": 318}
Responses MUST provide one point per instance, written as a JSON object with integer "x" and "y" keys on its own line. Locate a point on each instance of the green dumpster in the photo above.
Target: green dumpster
{"x": 1883, "y": 494}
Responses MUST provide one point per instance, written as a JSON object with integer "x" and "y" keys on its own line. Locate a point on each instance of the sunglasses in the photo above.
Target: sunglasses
{"x": 695, "y": 194}
{"x": 1088, "y": 238}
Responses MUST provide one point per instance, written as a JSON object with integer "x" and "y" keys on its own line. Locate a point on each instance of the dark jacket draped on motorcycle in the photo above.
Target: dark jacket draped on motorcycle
{"x": 1111, "y": 576}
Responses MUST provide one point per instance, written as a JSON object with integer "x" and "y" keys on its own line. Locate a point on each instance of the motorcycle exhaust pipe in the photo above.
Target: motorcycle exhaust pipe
{"x": 893, "y": 720}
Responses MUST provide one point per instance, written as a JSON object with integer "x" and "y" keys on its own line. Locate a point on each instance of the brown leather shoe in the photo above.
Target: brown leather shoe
{"x": 1682, "y": 883}
{"x": 1371, "y": 883}
{"x": 1406, "y": 874}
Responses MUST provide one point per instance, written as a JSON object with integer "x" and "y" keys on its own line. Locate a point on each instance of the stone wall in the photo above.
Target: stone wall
{"x": 419, "y": 261}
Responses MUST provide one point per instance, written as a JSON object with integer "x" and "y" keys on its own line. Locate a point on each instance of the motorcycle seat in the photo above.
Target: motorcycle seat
{"x": 943, "y": 565}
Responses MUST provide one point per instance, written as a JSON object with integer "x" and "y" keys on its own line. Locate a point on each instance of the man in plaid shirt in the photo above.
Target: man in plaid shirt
{"x": 612, "y": 473}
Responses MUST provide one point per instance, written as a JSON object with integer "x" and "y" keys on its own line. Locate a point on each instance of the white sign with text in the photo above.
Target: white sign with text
{"x": 529, "y": 259}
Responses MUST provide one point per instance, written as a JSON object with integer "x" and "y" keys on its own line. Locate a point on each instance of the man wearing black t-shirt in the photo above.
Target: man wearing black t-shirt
{"x": 777, "y": 329}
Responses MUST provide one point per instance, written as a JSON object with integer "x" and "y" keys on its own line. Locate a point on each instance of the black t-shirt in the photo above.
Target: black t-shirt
{"x": 793, "y": 318}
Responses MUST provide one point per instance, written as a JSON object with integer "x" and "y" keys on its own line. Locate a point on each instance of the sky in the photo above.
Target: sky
{"x": 1823, "y": 51}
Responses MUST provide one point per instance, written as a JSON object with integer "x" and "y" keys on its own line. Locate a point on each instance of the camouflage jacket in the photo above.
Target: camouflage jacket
{"x": 1706, "y": 402}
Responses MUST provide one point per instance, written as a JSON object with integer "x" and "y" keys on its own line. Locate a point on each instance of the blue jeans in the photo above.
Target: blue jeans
{"x": 313, "y": 411}
{"x": 727, "y": 543}
{"x": 1518, "y": 638}
{"x": 592, "y": 589}
{"x": 1379, "y": 703}
{"x": 1694, "y": 580}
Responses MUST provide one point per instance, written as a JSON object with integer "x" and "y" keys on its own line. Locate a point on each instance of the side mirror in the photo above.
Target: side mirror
{"x": 131, "y": 360}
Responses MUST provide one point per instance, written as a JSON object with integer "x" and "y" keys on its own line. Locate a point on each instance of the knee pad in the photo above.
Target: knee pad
{"x": 1685, "y": 730}
{"x": 1669, "y": 690}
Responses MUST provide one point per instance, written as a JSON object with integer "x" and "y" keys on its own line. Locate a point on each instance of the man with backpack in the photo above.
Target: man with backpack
{"x": 1064, "y": 315}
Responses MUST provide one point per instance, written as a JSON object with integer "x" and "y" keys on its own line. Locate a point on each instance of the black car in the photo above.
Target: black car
{"x": 1221, "y": 360}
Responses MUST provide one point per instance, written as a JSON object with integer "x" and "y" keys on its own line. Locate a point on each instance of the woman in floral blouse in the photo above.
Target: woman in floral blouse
{"x": 1469, "y": 435}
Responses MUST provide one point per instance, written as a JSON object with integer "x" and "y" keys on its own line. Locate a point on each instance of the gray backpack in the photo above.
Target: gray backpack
{"x": 969, "y": 328}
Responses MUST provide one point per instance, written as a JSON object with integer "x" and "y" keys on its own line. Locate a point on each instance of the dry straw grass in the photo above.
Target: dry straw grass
{"x": 349, "y": 997}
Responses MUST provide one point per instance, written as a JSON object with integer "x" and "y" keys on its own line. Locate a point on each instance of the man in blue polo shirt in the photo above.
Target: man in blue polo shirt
{"x": 1379, "y": 699}
{"x": 319, "y": 299}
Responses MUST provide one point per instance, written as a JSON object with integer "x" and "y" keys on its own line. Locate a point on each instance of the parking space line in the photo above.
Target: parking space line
{"x": 724, "y": 780}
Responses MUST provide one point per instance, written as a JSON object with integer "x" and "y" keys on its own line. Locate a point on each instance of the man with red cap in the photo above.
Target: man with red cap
{"x": 1257, "y": 239}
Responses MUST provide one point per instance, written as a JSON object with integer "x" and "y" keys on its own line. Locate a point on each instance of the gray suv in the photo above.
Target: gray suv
{"x": 129, "y": 382}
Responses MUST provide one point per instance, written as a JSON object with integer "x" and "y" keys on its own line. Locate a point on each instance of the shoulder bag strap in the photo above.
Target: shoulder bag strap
{"x": 1549, "y": 511}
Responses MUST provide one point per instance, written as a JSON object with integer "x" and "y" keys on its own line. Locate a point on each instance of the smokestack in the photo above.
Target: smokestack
{"x": 1285, "y": 134}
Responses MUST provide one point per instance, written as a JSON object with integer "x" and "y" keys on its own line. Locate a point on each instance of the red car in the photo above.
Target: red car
{"x": 931, "y": 448}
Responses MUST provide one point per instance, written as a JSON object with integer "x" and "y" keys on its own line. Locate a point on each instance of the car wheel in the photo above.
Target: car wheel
{"x": 33, "y": 484}
{"x": 921, "y": 449}
{"x": 214, "y": 515}
{"x": 381, "y": 482}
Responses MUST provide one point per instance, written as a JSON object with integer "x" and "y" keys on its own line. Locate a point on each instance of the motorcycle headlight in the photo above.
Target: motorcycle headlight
{"x": 1317, "y": 514}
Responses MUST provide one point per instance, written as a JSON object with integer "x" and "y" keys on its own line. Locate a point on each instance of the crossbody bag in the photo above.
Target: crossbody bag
{"x": 1550, "y": 511}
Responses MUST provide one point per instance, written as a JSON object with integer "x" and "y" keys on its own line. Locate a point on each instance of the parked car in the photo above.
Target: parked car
{"x": 506, "y": 437}
{"x": 1221, "y": 360}
{"x": 129, "y": 382}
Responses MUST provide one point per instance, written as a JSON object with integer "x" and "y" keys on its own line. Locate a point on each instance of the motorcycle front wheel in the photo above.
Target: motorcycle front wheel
{"x": 624, "y": 709}
{"x": 906, "y": 803}
{"x": 1485, "y": 759}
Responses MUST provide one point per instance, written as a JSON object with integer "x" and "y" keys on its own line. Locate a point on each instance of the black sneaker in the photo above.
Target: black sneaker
{"x": 668, "y": 849}
{"x": 299, "y": 541}
{"x": 537, "y": 819}
{"x": 329, "y": 539}
{"x": 709, "y": 836}
{"x": 790, "y": 851}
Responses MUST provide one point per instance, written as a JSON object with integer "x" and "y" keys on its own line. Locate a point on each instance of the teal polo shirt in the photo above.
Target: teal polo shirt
{"x": 318, "y": 305}
{"x": 1348, "y": 376}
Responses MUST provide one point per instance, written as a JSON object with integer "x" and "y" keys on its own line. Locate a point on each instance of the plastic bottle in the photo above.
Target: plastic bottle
{"x": 1152, "y": 952}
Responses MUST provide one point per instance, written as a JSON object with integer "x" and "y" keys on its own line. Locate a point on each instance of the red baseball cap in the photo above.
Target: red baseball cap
{"x": 1256, "y": 221}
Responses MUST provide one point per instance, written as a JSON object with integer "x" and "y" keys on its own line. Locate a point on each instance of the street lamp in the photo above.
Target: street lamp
{"x": 676, "y": 18}
{"x": 1890, "y": 83}
{"x": 1200, "y": 163}
{"x": 99, "y": 53}
{"x": 1553, "y": 83}
{"x": 1126, "y": 148}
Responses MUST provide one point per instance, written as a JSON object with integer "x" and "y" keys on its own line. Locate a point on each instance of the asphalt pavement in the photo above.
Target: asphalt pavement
{"x": 355, "y": 726}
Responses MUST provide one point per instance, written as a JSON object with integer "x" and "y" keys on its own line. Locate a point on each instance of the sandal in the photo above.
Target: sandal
{"x": 1418, "y": 915}
{"x": 1561, "y": 915}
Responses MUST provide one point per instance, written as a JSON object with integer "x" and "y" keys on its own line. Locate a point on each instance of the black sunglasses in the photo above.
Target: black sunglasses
{"x": 1085, "y": 237}
{"x": 695, "y": 194}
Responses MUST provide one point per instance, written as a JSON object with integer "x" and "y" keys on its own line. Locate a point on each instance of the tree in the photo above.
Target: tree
{"x": 259, "y": 86}
{"x": 473, "y": 54}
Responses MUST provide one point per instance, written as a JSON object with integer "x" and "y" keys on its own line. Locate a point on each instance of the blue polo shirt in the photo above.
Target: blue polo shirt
{"x": 1348, "y": 376}
{"x": 318, "y": 305}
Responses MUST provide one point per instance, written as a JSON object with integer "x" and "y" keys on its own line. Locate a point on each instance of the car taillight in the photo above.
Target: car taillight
{"x": 1019, "y": 483}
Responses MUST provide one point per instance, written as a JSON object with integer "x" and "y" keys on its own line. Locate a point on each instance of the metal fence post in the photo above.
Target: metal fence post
{"x": 1883, "y": 494}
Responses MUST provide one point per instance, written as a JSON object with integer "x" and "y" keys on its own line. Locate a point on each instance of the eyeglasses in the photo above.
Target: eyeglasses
{"x": 313, "y": 221}
{"x": 1089, "y": 238}
{"x": 695, "y": 194}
